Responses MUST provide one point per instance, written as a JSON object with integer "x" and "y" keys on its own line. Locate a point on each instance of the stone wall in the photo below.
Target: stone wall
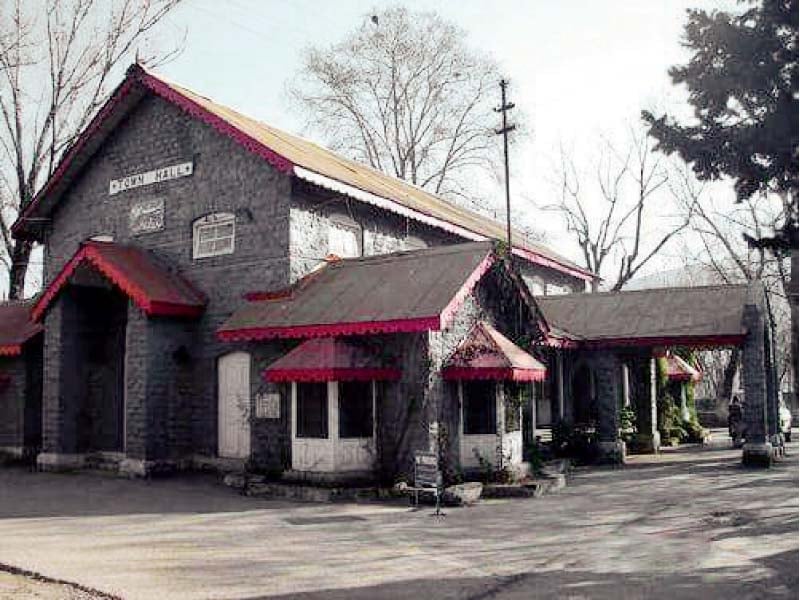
{"x": 12, "y": 405}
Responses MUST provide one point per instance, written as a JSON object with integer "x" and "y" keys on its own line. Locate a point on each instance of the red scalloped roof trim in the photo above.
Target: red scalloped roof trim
{"x": 331, "y": 330}
{"x": 89, "y": 253}
{"x": 495, "y": 374}
{"x": 197, "y": 111}
{"x": 342, "y": 374}
{"x": 11, "y": 350}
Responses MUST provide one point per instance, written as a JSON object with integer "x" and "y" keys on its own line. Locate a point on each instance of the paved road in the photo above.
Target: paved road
{"x": 690, "y": 523}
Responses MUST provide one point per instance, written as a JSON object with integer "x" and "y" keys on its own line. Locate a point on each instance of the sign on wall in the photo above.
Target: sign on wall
{"x": 268, "y": 406}
{"x": 131, "y": 182}
{"x": 147, "y": 215}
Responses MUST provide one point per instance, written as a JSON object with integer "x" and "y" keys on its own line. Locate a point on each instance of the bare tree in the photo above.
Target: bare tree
{"x": 609, "y": 219}
{"x": 724, "y": 251}
{"x": 404, "y": 94}
{"x": 57, "y": 59}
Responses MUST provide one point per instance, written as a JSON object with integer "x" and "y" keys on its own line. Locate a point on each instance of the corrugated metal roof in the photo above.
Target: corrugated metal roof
{"x": 693, "y": 312}
{"x": 16, "y": 327}
{"x": 403, "y": 291}
{"x": 137, "y": 273}
{"x": 289, "y": 153}
{"x": 487, "y": 348}
{"x": 333, "y": 359}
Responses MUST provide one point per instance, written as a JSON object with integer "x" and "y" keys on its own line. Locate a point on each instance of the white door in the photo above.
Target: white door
{"x": 233, "y": 397}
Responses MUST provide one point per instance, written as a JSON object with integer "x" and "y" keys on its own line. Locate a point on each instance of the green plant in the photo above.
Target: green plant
{"x": 575, "y": 441}
{"x": 491, "y": 474}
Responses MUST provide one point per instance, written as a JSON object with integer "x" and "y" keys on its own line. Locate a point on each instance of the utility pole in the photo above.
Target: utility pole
{"x": 504, "y": 131}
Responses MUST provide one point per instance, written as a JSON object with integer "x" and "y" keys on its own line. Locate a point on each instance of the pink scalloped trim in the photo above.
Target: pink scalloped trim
{"x": 91, "y": 255}
{"x": 331, "y": 330}
{"x": 538, "y": 259}
{"x": 10, "y": 350}
{"x": 198, "y": 111}
{"x": 342, "y": 374}
{"x": 492, "y": 373}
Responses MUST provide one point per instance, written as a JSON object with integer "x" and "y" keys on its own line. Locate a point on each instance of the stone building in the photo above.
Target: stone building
{"x": 219, "y": 292}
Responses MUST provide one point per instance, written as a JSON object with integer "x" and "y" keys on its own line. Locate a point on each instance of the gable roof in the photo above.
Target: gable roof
{"x": 289, "y": 154}
{"x": 487, "y": 354}
{"x": 418, "y": 290}
{"x": 680, "y": 370}
{"x": 136, "y": 273}
{"x": 710, "y": 315}
{"x": 16, "y": 327}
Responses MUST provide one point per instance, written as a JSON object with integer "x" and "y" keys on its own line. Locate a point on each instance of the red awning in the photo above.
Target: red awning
{"x": 680, "y": 370}
{"x": 488, "y": 354}
{"x": 331, "y": 359}
{"x": 137, "y": 274}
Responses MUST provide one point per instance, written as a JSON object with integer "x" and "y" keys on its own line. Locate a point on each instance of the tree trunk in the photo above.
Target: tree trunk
{"x": 20, "y": 257}
{"x": 793, "y": 310}
{"x": 725, "y": 393}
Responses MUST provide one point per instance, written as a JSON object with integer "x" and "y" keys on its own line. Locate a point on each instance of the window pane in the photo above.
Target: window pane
{"x": 355, "y": 409}
{"x": 312, "y": 410}
{"x": 480, "y": 407}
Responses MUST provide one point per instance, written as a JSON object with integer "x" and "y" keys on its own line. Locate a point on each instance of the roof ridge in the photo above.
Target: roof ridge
{"x": 644, "y": 290}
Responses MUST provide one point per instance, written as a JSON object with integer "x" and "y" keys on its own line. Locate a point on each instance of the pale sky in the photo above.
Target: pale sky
{"x": 579, "y": 68}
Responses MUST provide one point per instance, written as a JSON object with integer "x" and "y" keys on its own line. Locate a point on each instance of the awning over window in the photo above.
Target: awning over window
{"x": 153, "y": 288}
{"x": 680, "y": 370}
{"x": 332, "y": 359}
{"x": 488, "y": 354}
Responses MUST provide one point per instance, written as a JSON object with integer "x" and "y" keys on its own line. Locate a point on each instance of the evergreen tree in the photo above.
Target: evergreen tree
{"x": 742, "y": 83}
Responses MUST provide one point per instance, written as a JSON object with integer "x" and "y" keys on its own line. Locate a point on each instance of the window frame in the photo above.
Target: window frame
{"x": 491, "y": 417}
{"x": 370, "y": 402}
{"x": 299, "y": 422}
{"x": 346, "y": 224}
{"x": 213, "y": 221}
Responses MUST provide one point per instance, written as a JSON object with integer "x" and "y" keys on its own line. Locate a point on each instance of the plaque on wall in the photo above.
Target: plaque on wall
{"x": 147, "y": 216}
{"x": 268, "y": 406}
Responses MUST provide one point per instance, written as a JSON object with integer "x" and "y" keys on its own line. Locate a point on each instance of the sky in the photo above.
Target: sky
{"x": 579, "y": 69}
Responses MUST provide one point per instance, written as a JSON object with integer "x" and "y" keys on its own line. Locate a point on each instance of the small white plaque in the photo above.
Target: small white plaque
{"x": 268, "y": 406}
{"x": 130, "y": 182}
{"x": 147, "y": 215}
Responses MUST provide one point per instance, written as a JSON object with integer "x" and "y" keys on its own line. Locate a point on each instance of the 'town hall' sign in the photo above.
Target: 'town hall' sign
{"x": 130, "y": 182}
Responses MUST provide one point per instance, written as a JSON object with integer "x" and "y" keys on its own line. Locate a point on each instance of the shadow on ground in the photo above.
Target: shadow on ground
{"x": 780, "y": 581}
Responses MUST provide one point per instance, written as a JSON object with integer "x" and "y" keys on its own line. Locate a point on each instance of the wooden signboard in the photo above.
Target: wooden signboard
{"x": 426, "y": 470}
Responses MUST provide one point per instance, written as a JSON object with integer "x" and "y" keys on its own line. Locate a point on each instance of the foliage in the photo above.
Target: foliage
{"x": 575, "y": 441}
{"x": 670, "y": 421}
{"x": 57, "y": 60}
{"x": 534, "y": 454}
{"x": 627, "y": 420}
{"x": 405, "y": 94}
{"x": 742, "y": 83}
{"x": 492, "y": 474}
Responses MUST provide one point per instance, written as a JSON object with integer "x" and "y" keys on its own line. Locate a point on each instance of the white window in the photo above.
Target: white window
{"x": 412, "y": 242}
{"x": 214, "y": 235}
{"x": 344, "y": 237}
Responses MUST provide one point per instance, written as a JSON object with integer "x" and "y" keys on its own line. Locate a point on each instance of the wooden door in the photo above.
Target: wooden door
{"x": 234, "y": 405}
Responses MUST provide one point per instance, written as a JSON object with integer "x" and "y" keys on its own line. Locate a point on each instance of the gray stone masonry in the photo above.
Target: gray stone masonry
{"x": 607, "y": 373}
{"x": 12, "y": 407}
{"x": 757, "y": 450}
